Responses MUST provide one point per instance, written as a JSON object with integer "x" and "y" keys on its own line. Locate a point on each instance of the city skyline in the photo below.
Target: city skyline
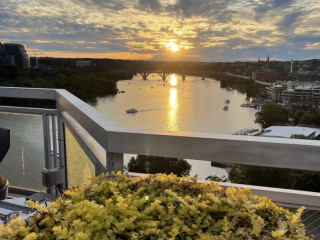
{"x": 202, "y": 30}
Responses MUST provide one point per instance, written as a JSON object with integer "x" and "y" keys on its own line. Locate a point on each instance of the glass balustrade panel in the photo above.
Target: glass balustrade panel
{"x": 25, "y": 159}
{"x": 79, "y": 166}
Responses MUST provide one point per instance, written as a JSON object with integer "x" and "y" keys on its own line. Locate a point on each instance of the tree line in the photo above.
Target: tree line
{"x": 273, "y": 114}
{"x": 86, "y": 83}
{"x": 248, "y": 86}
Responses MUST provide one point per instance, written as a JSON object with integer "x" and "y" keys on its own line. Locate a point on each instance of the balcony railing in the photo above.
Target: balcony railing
{"x": 103, "y": 143}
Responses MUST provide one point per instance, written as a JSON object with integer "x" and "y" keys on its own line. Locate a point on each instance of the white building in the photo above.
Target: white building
{"x": 295, "y": 93}
{"x": 288, "y": 131}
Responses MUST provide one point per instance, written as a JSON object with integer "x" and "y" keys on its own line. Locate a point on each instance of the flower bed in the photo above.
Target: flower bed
{"x": 157, "y": 207}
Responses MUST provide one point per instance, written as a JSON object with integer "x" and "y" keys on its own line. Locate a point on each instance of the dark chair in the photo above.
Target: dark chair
{"x": 4, "y": 142}
{"x": 4, "y": 147}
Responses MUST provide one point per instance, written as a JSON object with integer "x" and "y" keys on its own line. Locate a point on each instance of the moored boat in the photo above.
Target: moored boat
{"x": 132, "y": 110}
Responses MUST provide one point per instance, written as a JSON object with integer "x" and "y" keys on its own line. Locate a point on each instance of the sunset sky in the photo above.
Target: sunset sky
{"x": 196, "y": 30}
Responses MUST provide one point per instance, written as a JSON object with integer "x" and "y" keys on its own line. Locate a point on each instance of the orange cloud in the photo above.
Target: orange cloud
{"x": 114, "y": 55}
{"x": 42, "y": 41}
{"x": 310, "y": 46}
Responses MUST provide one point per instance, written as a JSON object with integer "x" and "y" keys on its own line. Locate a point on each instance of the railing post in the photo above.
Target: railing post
{"x": 114, "y": 162}
{"x": 54, "y": 172}
{"x": 62, "y": 147}
{"x": 46, "y": 139}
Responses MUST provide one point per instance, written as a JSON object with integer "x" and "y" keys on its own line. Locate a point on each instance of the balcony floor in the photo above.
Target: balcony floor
{"x": 311, "y": 220}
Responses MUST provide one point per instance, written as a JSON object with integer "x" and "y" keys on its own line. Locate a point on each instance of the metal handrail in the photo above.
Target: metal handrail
{"x": 115, "y": 140}
{"x": 259, "y": 151}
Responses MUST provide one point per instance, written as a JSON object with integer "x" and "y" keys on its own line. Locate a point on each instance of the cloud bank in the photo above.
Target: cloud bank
{"x": 205, "y": 30}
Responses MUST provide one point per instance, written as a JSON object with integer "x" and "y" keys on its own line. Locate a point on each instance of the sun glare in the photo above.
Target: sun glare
{"x": 173, "y": 80}
{"x": 171, "y": 45}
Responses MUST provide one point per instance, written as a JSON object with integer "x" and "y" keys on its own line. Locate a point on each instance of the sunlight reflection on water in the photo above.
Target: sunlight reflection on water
{"x": 173, "y": 111}
{"x": 193, "y": 105}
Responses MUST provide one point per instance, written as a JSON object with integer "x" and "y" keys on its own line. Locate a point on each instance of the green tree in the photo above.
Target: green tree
{"x": 316, "y": 118}
{"x": 272, "y": 114}
{"x": 279, "y": 178}
{"x": 25, "y": 82}
{"x": 298, "y": 136}
{"x": 261, "y": 176}
{"x": 276, "y": 177}
{"x": 297, "y": 117}
{"x": 151, "y": 164}
{"x": 305, "y": 180}
{"x": 253, "y": 89}
{"x": 306, "y": 118}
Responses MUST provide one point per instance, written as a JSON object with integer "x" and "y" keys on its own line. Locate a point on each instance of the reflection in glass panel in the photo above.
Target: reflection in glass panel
{"x": 79, "y": 166}
{"x": 25, "y": 159}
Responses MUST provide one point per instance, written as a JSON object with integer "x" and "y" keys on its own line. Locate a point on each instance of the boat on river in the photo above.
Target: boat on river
{"x": 250, "y": 105}
{"x": 225, "y": 108}
{"x": 245, "y": 105}
{"x": 227, "y": 101}
{"x": 132, "y": 110}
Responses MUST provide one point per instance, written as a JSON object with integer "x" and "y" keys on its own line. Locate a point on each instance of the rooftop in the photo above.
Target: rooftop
{"x": 288, "y": 131}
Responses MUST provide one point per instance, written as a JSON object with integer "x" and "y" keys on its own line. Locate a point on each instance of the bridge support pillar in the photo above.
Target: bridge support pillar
{"x": 183, "y": 76}
{"x": 164, "y": 75}
{"x": 144, "y": 75}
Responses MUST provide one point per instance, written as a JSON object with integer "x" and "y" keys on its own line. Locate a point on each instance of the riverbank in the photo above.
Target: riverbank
{"x": 86, "y": 83}
{"x": 243, "y": 84}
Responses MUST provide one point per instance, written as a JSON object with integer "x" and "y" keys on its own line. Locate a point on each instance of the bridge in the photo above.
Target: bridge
{"x": 164, "y": 74}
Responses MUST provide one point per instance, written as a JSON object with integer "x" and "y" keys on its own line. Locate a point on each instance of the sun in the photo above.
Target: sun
{"x": 174, "y": 47}
{"x": 171, "y": 45}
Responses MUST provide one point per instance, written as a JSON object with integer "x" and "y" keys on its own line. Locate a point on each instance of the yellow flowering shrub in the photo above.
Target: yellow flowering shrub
{"x": 157, "y": 207}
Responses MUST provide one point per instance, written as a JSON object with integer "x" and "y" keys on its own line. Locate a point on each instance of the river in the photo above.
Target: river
{"x": 193, "y": 105}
